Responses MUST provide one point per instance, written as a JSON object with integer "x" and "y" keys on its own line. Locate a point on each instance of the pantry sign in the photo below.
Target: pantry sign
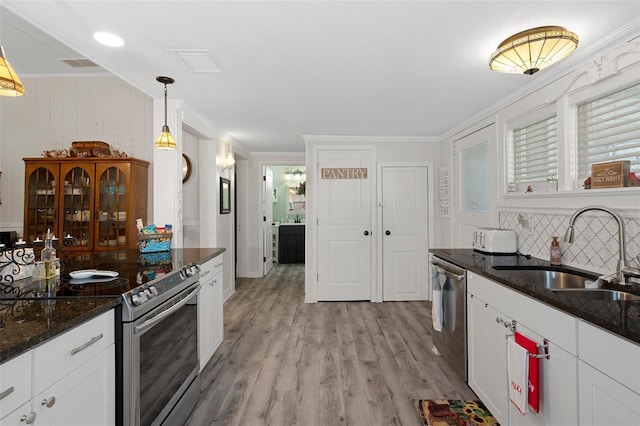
{"x": 344, "y": 173}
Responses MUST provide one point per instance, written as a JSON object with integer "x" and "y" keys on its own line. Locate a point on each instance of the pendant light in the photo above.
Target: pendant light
{"x": 165, "y": 140}
{"x": 10, "y": 84}
{"x": 532, "y": 50}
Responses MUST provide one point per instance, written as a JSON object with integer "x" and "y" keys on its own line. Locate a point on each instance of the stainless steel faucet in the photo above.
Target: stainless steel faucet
{"x": 622, "y": 248}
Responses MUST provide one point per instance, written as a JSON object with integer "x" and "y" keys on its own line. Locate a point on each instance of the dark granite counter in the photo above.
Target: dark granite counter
{"x": 29, "y": 317}
{"x": 619, "y": 317}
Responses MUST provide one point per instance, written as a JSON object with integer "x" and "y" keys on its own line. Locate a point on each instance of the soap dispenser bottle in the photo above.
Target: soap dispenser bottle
{"x": 555, "y": 254}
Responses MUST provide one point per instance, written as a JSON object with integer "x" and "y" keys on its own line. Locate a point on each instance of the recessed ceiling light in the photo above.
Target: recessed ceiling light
{"x": 108, "y": 39}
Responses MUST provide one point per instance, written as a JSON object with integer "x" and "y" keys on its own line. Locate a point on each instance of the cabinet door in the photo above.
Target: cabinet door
{"x": 84, "y": 397}
{"x": 558, "y": 379}
{"x": 603, "y": 401}
{"x": 210, "y": 316}
{"x": 42, "y": 183}
{"x": 112, "y": 191}
{"x": 487, "y": 356}
{"x": 77, "y": 205}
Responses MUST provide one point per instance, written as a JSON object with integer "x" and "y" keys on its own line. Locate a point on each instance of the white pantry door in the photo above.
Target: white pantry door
{"x": 405, "y": 241}
{"x": 267, "y": 218}
{"x": 344, "y": 225}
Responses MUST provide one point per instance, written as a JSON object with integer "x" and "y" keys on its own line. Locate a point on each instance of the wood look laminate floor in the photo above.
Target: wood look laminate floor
{"x": 285, "y": 362}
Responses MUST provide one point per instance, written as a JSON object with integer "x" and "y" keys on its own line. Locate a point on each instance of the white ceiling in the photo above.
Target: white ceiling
{"x": 293, "y": 68}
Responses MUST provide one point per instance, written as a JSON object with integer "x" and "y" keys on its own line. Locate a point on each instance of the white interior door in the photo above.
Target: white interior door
{"x": 267, "y": 216}
{"x": 405, "y": 233}
{"x": 344, "y": 225}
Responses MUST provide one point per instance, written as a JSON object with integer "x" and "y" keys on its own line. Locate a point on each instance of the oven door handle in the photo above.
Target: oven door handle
{"x": 156, "y": 319}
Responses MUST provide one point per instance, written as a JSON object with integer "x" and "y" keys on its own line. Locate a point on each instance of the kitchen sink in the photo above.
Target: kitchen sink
{"x": 597, "y": 294}
{"x": 549, "y": 279}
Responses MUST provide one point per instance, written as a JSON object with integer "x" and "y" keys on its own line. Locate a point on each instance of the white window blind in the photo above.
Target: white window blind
{"x": 535, "y": 151}
{"x": 609, "y": 130}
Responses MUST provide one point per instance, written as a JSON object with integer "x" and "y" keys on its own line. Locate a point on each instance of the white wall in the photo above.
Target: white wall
{"x": 57, "y": 111}
{"x": 190, "y": 192}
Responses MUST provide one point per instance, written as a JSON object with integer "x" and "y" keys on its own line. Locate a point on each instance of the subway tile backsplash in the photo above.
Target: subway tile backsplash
{"x": 596, "y": 237}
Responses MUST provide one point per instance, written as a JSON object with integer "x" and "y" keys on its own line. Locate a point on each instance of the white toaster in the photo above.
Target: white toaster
{"x": 492, "y": 240}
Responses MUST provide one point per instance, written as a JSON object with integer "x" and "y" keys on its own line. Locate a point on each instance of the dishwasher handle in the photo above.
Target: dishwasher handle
{"x": 451, "y": 272}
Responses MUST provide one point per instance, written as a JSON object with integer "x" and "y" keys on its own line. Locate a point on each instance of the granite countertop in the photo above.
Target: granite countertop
{"x": 619, "y": 317}
{"x": 27, "y": 318}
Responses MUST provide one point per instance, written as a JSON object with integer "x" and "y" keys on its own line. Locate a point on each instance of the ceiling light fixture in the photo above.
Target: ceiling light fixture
{"x": 532, "y": 50}
{"x": 108, "y": 39}
{"x": 10, "y": 84}
{"x": 165, "y": 140}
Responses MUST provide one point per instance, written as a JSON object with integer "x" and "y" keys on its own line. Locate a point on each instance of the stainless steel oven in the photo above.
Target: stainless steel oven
{"x": 160, "y": 351}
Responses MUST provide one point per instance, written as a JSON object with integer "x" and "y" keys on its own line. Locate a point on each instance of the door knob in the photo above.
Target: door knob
{"x": 366, "y": 233}
{"x": 387, "y": 232}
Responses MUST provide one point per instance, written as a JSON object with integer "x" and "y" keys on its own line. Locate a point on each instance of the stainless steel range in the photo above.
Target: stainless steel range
{"x": 160, "y": 381}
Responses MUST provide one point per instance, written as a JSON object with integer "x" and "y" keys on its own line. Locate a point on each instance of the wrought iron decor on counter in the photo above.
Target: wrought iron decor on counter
{"x": 17, "y": 262}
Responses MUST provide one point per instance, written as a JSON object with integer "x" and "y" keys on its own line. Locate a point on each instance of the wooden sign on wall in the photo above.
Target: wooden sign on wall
{"x": 344, "y": 173}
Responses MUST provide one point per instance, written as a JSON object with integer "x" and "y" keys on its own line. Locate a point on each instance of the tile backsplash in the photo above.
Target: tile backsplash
{"x": 595, "y": 246}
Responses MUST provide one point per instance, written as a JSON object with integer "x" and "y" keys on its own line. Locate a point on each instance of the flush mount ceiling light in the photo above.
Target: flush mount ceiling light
{"x": 108, "y": 39}
{"x": 165, "y": 140}
{"x": 532, "y": 50}
{"x": 10, "y": 84}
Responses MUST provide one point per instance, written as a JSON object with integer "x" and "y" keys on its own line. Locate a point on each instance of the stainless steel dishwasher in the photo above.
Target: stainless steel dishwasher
{"x": 451, "y": 339}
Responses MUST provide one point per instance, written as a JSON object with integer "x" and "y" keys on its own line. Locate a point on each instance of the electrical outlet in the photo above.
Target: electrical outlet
{"x": 523, "y": 220}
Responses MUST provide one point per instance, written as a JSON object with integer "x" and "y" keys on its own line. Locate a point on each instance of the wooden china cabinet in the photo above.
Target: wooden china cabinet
{"x": 94, "y": 200}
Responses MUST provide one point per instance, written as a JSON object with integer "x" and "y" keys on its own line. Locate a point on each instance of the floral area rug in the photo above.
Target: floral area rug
{"x": 453, "y": 412}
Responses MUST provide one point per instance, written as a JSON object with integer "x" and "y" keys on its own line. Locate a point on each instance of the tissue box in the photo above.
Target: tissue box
{"x": 150, "y": 243}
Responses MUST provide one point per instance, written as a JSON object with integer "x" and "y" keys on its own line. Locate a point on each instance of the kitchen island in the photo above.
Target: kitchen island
{"x": 29, "y": 318}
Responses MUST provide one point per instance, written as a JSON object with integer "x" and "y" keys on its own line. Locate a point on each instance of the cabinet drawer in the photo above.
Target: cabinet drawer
{"x": 548, "y": 322}
{"x": 57, "y": 358}
{"x": 15, "y": 383}
{"x": 211, "y": 267}
{"x": 615, "y": 357}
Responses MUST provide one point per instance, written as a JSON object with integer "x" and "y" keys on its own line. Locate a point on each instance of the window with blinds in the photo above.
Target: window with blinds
{"x": 609, "y": 130}
{"x": 535, "y": 151}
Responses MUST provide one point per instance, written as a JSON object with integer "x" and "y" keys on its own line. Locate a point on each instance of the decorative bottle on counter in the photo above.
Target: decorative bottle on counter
{"x": 555, "y": 254}
{"x": 48, "y": 257}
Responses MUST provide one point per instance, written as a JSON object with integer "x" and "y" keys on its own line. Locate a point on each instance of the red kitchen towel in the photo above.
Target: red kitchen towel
{"x": 534, "y": 371}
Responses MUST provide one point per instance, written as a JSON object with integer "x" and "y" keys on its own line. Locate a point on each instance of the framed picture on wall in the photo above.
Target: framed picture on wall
{"x": 225, "y": 196}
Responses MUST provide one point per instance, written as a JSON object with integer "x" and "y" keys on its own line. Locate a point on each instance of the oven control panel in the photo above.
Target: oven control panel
{"x": 189, "y": 270}
{"x": 145, "y": 293}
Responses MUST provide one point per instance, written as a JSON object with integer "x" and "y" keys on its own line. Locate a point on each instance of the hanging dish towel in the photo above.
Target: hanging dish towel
{"x": 517, "y": 367}
{"x": 449, "y": 304}
{"x": 534, "y": 371}
{"x": 436, "y": 301}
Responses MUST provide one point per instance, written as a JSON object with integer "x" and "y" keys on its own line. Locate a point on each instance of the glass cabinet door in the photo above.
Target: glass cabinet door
{"x": 77, "y": 204}
{"x": 112, "y": 209}
{"x": 41, "y": 209}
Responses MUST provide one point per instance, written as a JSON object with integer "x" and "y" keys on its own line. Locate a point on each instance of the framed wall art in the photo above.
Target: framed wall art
{"x": 225, "y": 196}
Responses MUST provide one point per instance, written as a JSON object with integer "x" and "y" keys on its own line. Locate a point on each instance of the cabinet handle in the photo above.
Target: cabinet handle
{"x": 6, "y": 393}
{"x": 205, "y": 273}
{"x": 28, "y": 418}
{"x": 86, "y": 345}
{"x": 214, "y": 281}
{"x": 217, "y": 264}
{"x": 48, "y": 401}
{"x": 499, "y": 320}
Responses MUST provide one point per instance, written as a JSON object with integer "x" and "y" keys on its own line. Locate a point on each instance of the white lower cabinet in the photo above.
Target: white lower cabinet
{"x": 84, "y": 397}
{"x": 488, "y": 356}
{"x": 210, "y": 309}
{"x": 609, "y": 378}
{"x": 71, "y": 379}
{"x": 494, "y": 313}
